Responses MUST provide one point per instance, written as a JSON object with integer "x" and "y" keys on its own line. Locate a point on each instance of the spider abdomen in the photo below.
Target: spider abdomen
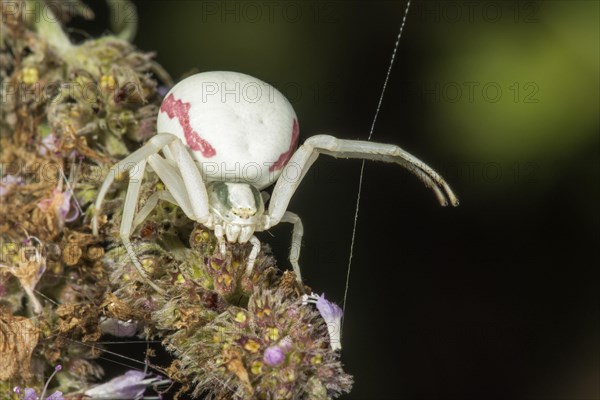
{"x": 238, "y": 128}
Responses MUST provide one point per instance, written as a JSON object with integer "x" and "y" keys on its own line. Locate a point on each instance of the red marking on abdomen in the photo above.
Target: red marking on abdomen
{"x": 285, "y": 157}
{"x": 180, "y": 110}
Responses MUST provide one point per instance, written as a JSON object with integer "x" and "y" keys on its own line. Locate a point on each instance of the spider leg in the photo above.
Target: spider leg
{"x": 192, "y": 180}
{"x": 324, "y": 144}
{"x": 185, "y": 186}
{"x": 167, "y": 151}
{"x": 151, "y": 203}
{"x": 220, "y": 234}
{"x": 252, "y": 257}
{"x": 177, "y": 194}
{"x": 178, "y": 172}
{"x": 153, "y": 146}
{"x": 297, "y": 233}
{"x": 173, "y": 182}
{"x": 131, "y": 199}
{"x": 288, "y": 182}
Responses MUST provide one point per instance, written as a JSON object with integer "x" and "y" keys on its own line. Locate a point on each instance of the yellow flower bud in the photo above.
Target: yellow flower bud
{"x": 252, "y": 346}
{"x": 240, "y": 317}
{"x": 256, "y": 367}
{"x": 108, "y": 82}
{"x": 30, "y": 75}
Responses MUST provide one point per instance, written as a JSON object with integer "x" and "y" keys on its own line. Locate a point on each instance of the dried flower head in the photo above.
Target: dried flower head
{"x": 61, "y": 204}
{"x": 8, "y": 182}
{"x": 19, "y": 337}
{"x": 28, "y": 269}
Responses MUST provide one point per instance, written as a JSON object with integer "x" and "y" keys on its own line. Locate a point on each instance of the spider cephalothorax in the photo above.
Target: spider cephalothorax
{"x": 224, "y": 136}
{"x": 238, "y": 207}
{"x": 236, "y": 211}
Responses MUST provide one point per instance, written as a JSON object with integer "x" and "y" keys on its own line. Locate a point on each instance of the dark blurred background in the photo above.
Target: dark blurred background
{"x": 496, "y": 299}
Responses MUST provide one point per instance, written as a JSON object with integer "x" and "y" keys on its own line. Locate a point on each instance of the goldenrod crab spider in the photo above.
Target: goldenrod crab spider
{"x": 225, "y": 136}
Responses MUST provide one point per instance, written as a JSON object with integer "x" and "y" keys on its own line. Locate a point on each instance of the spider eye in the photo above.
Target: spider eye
{"x": 244, "y": 212}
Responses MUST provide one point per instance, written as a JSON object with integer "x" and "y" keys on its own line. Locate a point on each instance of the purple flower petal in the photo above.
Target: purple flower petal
{"x": 65, "y": 205}
{"x": 30, "y": 394}
{"x": 48, "y": 144}
{"x": 329, "y": 311}
{"x": 162, "y": 90}
{"x": 61, "y": 203}
{"x": 128, "y": 386}
{"x": 274, "y": 356}
{"x": 55, "y": 396}
{"x": 73, "y": 215}
{"x": 332, "y": 314}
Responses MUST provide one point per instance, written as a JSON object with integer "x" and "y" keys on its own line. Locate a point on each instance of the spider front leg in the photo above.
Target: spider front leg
{"x": 184, "y": 183}
{"x": 297, "y": 233}
{"x": 307, "y": 154}
{"x": 153, "y": 146}
{"x": 134, "y": 165}
{"x": 131, "y": 199}
{"x": 220, "y": 235}
{"x": 253, "y": 254}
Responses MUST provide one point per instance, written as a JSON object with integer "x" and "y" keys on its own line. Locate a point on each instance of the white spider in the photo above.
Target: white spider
{"x": 225, "y": 136}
